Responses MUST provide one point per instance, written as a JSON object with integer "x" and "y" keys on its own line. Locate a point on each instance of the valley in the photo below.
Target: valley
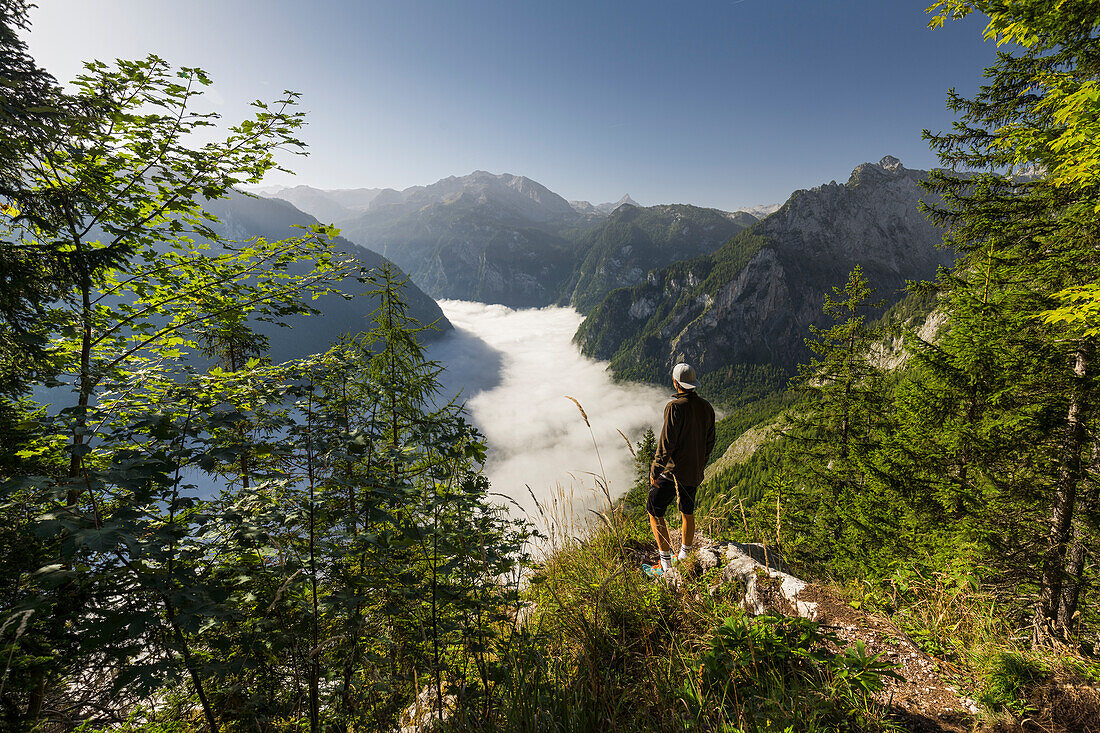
{"x": 382, "y": 456}
{"x": 514, "y": 370}
{"x": 733, "y": 293}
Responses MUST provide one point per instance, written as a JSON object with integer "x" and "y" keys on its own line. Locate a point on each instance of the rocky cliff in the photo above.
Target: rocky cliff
{"x": 745, "y": 309}
{"x": 632, "y": 241}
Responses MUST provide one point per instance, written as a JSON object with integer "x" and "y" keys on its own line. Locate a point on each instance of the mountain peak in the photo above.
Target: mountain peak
{"x": 891, "y": 163}
{"x": 500, "y": 194}
{"x": 887, "y": 168}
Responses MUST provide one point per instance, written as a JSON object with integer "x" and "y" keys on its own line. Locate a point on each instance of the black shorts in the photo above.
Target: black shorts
{"x": 661, "y": 495}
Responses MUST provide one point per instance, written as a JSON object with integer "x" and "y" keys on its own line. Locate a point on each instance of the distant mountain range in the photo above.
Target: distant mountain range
{"x": 762, "y": 210}
{"x": 732, "y": 292}
{"x": 334, "y": 206}
{"x": 508, "y": 239}
{"x": 327, "y": 207}
{"x": 586, "y": 209}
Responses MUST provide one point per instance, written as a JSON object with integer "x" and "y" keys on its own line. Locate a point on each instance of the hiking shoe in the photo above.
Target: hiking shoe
{"x": 652, "y": 571}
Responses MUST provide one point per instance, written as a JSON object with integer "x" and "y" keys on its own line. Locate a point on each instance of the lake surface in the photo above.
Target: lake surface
{"x": 515, "y": 369}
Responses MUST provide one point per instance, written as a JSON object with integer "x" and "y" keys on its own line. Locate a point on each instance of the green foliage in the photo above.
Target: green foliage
{"x": 634, "y": 502}
{"x": 33, "y": 113}
{"x": 958, "y": 493}
{"x": 1018, "y": 357}
{"x": 740, "y": 486}
{"x": 602, "y": 648}
{"x": 1080, "y": 308}
{"x": 1007, "y": 680}
{"x": 832, "y": 432}
{"x": 1055, "y": 125}
{"x": 748, "y": 415}
{"x": 358, "y": 528}
{"x": 352, "y": 552}
{"x": 775, "y": 673}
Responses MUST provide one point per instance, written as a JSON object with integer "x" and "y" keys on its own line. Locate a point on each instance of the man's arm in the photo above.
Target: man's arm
{"x": 665, "y": 444}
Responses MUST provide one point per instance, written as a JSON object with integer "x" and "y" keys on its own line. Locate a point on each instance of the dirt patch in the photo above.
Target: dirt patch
{"x": 1063, "y": 702}
{"x": 922, "y": 701}
{"x": 1067, "y": 705}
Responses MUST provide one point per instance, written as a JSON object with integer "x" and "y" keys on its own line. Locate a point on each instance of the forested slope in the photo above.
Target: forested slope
{"x": 241, "y": 218}
{"x": 742, "y": 313}
{"x": 621, "y": 251}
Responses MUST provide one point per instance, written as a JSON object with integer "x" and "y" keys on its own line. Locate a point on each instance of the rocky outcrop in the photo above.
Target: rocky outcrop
{"x": 761, "y": 584}
{"x": 752, "y": 301}
{"x": 423, "y": 714}
{"x": 621, "y": 251}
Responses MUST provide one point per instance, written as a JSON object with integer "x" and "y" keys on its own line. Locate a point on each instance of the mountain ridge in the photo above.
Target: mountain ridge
{"x": 508, "y": 239}
{"x": 620, "y": 251}
{"x": 741, "y": 314}
{"x": 242, "y": 216}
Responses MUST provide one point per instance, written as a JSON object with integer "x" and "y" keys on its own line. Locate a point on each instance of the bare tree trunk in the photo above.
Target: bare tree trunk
{"x": 314, "y": 655}
{"x": 192, "y": 670}
{"x": 1075, "y": 558}
{"x": 1065, "y": 500}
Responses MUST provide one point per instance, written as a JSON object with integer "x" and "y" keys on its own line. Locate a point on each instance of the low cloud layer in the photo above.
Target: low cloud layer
{"x": 515, "y": 368}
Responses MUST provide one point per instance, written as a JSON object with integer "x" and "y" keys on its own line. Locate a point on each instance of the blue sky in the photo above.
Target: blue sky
{"x": 723, "y": 104}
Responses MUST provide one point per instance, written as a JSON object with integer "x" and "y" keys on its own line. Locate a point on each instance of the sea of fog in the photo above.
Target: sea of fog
{"x": 515, "y": 370}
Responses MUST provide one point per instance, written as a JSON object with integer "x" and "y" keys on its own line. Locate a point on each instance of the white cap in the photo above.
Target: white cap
{"x": 684, "y": 376}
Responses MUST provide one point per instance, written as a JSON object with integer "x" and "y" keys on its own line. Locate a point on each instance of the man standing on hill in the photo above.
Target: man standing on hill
{"x": 687, "y": 438}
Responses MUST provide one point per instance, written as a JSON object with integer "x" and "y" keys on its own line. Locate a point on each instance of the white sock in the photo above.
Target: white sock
{"x": 684, "y": 550}
{"x": 666, "y": 561}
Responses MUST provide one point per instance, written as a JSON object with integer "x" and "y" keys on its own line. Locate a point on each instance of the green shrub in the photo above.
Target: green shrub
{"x": 777, "y": 673}
{"x": 1007, "y": 681}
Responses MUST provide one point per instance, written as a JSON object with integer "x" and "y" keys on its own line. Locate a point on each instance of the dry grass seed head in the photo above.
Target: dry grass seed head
{"x": 583, "y": 413}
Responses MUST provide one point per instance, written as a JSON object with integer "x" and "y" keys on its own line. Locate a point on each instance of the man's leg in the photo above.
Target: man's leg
{"x": 661, "y": 494}
{"x": 687, "y": 529}
{"x": 686, "y": 496}
{"x": 660, "y": 533}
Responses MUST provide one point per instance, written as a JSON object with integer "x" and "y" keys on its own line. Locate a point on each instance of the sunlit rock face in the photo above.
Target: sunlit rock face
{"x": 753, "y": 300}
{"x": 622, "y": 250}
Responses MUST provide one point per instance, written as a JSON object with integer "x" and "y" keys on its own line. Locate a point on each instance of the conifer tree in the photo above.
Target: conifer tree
{"x": 1027, "y": 238}
{"x": 833, "y": 426}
